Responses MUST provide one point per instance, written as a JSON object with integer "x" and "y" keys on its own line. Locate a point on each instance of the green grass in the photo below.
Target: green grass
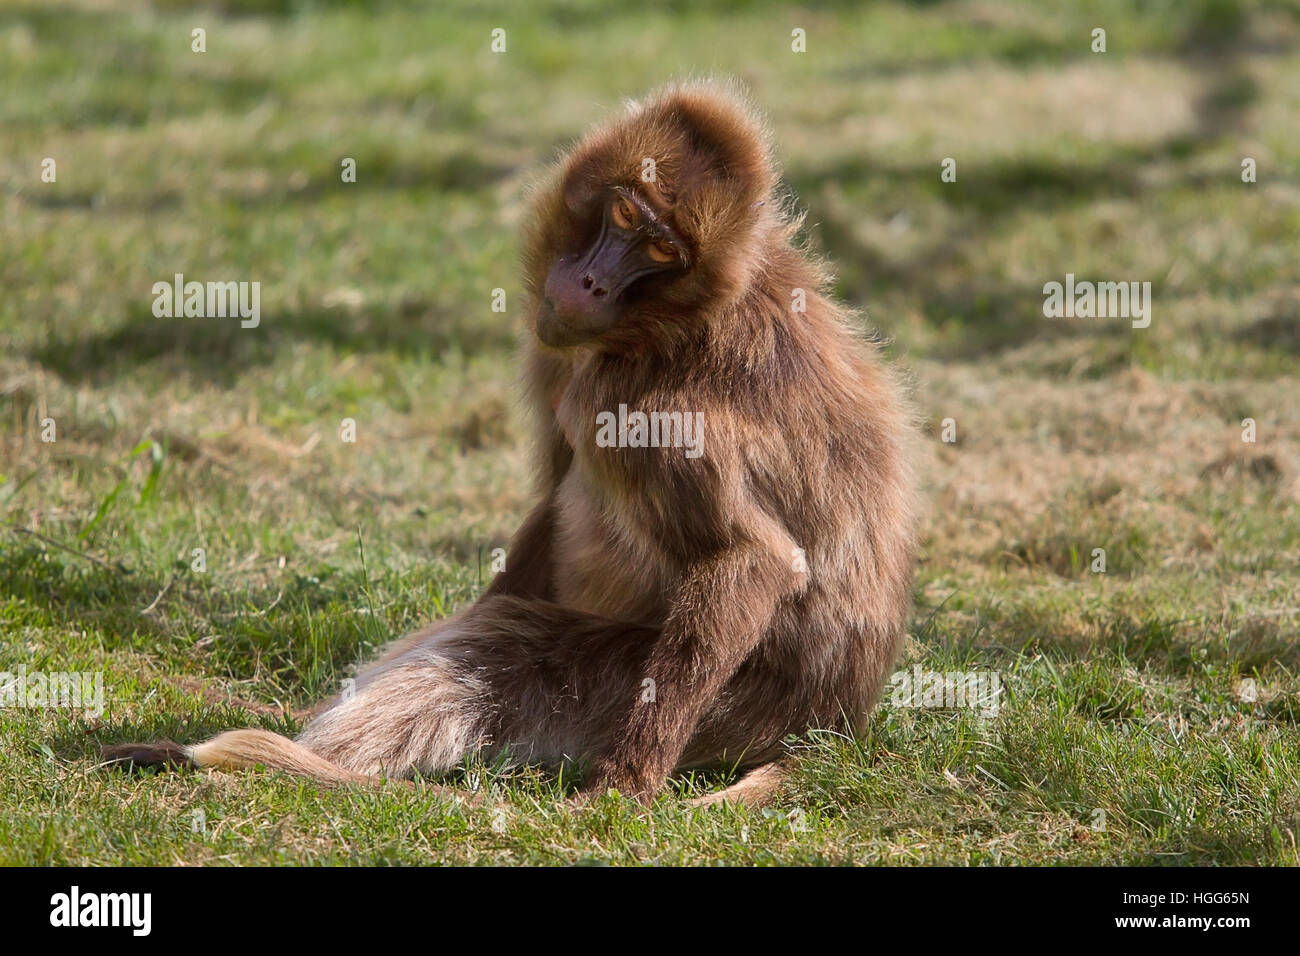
{"x": 1124, "y": 736}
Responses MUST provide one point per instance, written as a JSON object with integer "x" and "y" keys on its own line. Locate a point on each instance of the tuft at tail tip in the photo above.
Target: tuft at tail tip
{"x": 160, "y": 753}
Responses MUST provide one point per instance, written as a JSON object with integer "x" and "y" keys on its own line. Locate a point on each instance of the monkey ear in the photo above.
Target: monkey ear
{"x": 721, "y": 128}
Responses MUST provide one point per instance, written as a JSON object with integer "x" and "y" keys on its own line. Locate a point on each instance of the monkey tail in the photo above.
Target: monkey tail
{"x": 236, "y": 750}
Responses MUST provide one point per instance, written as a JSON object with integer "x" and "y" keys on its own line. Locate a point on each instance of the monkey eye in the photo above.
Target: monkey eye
{"x": 624, "y": 213}
{"x": 662, "y": 251}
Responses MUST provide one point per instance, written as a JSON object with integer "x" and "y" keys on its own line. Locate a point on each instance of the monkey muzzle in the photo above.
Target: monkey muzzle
{"x": 581, "y": 299}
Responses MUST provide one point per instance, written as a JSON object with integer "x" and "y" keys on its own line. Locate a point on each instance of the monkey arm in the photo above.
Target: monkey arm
{"x": 546, "y": 375}
{"x": 529, "y": 557}
{"x": 719, "y": 614}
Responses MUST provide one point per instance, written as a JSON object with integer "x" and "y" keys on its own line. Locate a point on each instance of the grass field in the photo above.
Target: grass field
{"x": 1130, "y": 731}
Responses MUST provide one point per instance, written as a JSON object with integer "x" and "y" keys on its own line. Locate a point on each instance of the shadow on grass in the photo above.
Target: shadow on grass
{"x": 1198, "y": 846}
{"x": 1280, "y": 331}
{"x": 220, "y": 350}
{"x": 979, "y": 317}
{"x": 984, "y": 634}
{"x": 299, "y": 634}
{"x": 60, "y": 590}
{"x": 988, "y": 317}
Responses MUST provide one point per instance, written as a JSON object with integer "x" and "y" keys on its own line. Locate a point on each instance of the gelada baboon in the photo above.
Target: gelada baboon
{"x": 723, "y": 547}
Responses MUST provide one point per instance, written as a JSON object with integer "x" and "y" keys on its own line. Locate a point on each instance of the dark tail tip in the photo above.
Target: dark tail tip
{"x": 163, "y": 754}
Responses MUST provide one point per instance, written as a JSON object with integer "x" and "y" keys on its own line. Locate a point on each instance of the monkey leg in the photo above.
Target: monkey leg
{"x": 756, "y": 789}
{"x": 525, "y": 680}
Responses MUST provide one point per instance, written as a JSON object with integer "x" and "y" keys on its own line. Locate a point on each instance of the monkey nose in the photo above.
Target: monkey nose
{"x": 576, "y": 299}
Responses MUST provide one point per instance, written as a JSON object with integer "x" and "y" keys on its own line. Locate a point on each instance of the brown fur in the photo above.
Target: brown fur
{"x": 641, "y": 563}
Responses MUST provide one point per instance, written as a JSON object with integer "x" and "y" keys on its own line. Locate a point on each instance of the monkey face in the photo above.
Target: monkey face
{"x": 583, "y": 295}
{"x": 655, "y": 221}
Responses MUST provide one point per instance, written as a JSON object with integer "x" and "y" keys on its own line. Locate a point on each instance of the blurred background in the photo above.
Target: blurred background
{"x": 1070, "y": 434}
